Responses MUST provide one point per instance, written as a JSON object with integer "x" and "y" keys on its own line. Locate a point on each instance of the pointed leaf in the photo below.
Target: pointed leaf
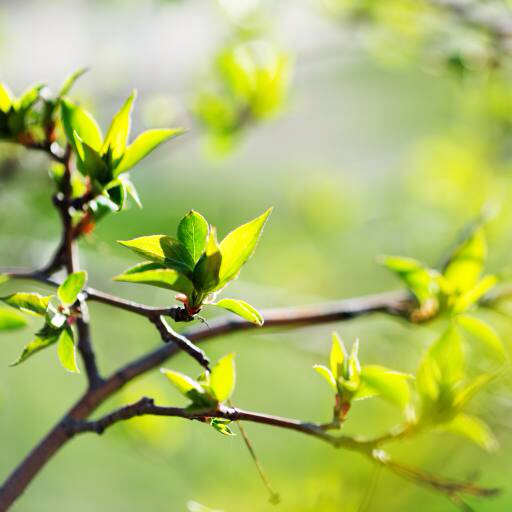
{"x": 473, "y": 429}
{"x": 143, "y": 145}
{"x": 163, "y": 250}
{"x": 76, "y": 119}
{"x": 67, "y": 352}
{"x": 327, "y": 375}
{"x": 337, "y": 357}
{"x": 117, "y": 135}
{"x": 68, "y": 291}
{"x": 89, "y": 161}
{"x": 70, "y": 81}
{"x": 188, "y": 387}
{"x": 241, "y": 308}
{"x": 474, "y": 294}
{"x": 467, "y": 261}
{"x": 484, "y": 333}
{"x": 28, "y": 302}
{"x": 238, "y": 247}
{"x": 156, "y": 275}
{"x": 221, "y": 425}
{"x": 222, "y": 378}
{"x": 11, "y": 320}
{"x": 44, "y": 339}
{"x": 6, "y": 98}
{"x": 193, "y": 233}
{"x": 447, "y": 353}
{"x": 390, "y": 385}
{"x": 206, "y": 272}
{"x": 465, "y": 394}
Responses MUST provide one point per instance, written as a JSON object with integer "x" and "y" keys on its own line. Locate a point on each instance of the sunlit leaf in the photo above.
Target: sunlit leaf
{"x": 43, "y": 339}
{"x": 337, "y": 357}
{"x": 11, "y": 320}
{"x": 465, "y": 394}
{"x": 117, "y": 135}
{"x": 67, "y": 352}
{"x": 206, "y": 272}
{"x": 241, "y": 308}
{"x": 221, "y": 425}
{"x": 484, "y": 333}
{"x": 187, "y": 387}
{"x": 76, "y": 119}
{"x": 474, "y": 429}
{"x": 89, "y": 161}
{"x": 238, "y": 247}
{"x": 223, "y": 377}
{"x": 448, "y": 354}
{"x": 163, "y": 250}
{"x": 70, "y": 81}
{"x": 390, "y": 385}
{"x": 28, "y": 302}
{"x": 143, "y": 145}
{"x": 6, "y": 98}
{"x": 327, "y": 375}
{"x": 193, "y": 233}
{"x": 467, "y": 261}
{"x": 155, "y": 275}
{"x": 474, "y": 294}
{"x": 73, "y": 284}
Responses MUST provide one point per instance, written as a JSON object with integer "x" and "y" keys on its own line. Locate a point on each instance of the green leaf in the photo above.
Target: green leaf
{"x": 337, "y": 357}
{"x": 77, "y": 119}
{"x": 188, "y": 387}
{"x": 89, "y": 161}
{"x": 241, "y": 308}
{"x": 473, "y": 295}
{"x": 484, "y": 333}
{"x": 117, "y": 135}
{"x": 390, "y": 385}
{"x": 44, "y": 339}
{"x": 206, "y": 272}
{"x": 28, "y": 97}
{"x": 448, "y": 354}
{"x": 144, "y": 144}
{"x": 221, "y": 425}
{"x": 68, "y": 291}
{"x": 428, "y": 377}
{"x": 28, "y": 302}
{"x": 238, "y": 247}
{"x": 6, "y": 98}
{"x": 193, "y": 233}
{"x": 70, "y": 81}
{"x": 327, "y": 375}
{"x": 420, "y": 280}
{"x": 163, "y": 250}
{"x": 467, "y": 261}
{"x": 4, "y": 278}
{"x": 11, "y": 320}
{"x": 472, "y": 428}
{"x": 67, "y": 352}
{"x": 155, "y": 275}
{"x": 465, "y": 394}
{"x": 223, "y": 377}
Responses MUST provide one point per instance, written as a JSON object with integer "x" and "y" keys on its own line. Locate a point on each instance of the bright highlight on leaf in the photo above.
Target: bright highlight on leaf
{"x": 195, "y": 264}
{"x": 69, "y": 290}
{"x": 222, "y": 378}
{"x": 32, "y": 303}
{"x": 242, "y": 309}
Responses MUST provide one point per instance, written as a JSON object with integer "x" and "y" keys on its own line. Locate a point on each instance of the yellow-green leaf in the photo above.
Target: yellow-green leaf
{"x": 327, "y": 375}
{"x": 337, "y": 356}
{"x": 70, "y": 81}
{"x": 144, "y": 144}
{"x": 39, "y": 343}
{"x": 154, "y": 274}
{"x": 474, "y": 429}
{"x": 73, "y": 284}
{"x": 11, "y": 320}
{"x": 390, "y": 385}
{"x": 484, "y": 333}
{"x": 206, "y": 272}
{"x": 238, "y": 247}
{"x": 6, "y": 98}
{"x": 76, "y": 119}
{"x": 117, "y": 135}
{"x": 28, "y": 302}
{"x": 241, "y": 308}
{"x": 67, "y": 352}
{"x": 223, "y": 377}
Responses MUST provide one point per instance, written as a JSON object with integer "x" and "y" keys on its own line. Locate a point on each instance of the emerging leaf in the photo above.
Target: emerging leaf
{"x": 144, "y": 144}
{"x": 206, "y": 272}
{"x": 117, "y": 135}
{"x": 238, "y": 247}
{"x": 11, "y": 320}
{"x": 6, "y": 98}
{"x": 44, "y": 338}
{"x": 222, "y": 378}
{"x": 390, "y": 385}
{"x": 193, "y": 233}
{"x": 484, "y": 333}
{"x": 28, "y": 302}
{"x": 241, "y": 308}
{"x": 221, "y": 425}
{"x": 66, "y": 351}
{"x": 338, "y": 357}
{"x": 69, "y": 290}
{"x": 467, "y": 261}
{"x": 70, "y": 81}
{"x": 188, "y": 387}
{"x": 77, "y": 119}
{"x": 155, "y": 275}
{"x": 448, "y": 355}
{"x": 327, "y": 375}
{"x": 473, "y": 429}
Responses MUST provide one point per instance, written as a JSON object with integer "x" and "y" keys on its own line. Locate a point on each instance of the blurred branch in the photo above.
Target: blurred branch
{"x": 370, "y": 448}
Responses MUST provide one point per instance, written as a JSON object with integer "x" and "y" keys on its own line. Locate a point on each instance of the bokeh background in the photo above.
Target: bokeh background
{"x": 387, "y": 132}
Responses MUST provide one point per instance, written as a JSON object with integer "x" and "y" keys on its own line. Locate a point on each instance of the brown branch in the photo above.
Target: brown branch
{"x": 368, "y": 447}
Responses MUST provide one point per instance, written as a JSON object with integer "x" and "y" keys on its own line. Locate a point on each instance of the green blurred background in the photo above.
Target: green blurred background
{"x": 381, "y": 146}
